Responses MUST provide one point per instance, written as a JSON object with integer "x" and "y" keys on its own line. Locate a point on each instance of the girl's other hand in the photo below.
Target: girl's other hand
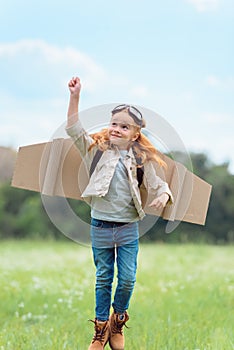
{"x": 160, "y": 202}
{"x": 75, "y": 86}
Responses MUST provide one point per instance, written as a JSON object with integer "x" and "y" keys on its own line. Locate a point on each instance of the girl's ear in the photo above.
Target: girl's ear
{"x": 135, "y": 137}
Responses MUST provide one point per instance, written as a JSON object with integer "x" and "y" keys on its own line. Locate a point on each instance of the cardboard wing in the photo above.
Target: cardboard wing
{"x": 56, "y": 169}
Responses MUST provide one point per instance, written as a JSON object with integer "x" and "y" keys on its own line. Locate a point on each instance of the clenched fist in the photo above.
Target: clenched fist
{"x": 74, "y": 86}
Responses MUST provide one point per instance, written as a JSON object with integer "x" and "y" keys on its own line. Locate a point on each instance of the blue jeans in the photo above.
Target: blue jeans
{"x": 122, "y": 248}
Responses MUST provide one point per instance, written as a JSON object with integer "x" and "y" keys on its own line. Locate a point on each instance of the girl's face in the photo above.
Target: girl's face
{"x": 122, "y": 130}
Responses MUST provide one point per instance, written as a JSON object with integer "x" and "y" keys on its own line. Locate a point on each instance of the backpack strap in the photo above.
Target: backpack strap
{"x": 96, "y": 158}
{"x": 140, "y": 174}
{"x": 140, "y": 169}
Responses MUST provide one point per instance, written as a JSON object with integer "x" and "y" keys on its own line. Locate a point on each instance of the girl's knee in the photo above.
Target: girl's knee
{"x": 103, "y": 283}
{"x": 126, "y": 284}
{"x": 104, "y": 277}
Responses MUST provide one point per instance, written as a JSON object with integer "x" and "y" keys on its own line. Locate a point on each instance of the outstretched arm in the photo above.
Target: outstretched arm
{"x": 72, "y": 114}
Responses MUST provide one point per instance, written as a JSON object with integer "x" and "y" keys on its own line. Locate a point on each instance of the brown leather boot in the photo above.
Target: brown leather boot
{"x": 117, "y": 321}
{"x": 101, "y": 335}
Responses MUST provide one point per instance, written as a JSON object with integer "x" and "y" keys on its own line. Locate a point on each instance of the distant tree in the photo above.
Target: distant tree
{"x": 22, "y": 214}
{"x": 7, "y": 162}
{"x": 220, "y": 220}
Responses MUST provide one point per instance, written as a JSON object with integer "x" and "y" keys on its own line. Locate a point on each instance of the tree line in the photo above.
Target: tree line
{"x": 22, "y": 214}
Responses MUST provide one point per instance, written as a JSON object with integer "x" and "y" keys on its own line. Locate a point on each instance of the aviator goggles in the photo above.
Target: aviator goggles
{"x": 133, "y": 112}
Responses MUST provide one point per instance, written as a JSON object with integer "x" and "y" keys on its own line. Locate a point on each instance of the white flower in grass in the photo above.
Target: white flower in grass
{"x": 40, "y": 317}
{"x": 27, "y": 316}
{"x": 21, "y": 305}
{"x": 14, "y": 284}
{"x": 66, "y": 292}
{"x": 30, "y": 316}
{"x": 35, "y": 279}
{"x": 37, "y": 282}
{"x": 79, "y": 294}
{"x": 172, "y": 284}
{"x": 69, "y": 303}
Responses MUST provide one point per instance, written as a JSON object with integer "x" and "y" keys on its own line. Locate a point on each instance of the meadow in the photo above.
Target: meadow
{"x": 183, "y": 299}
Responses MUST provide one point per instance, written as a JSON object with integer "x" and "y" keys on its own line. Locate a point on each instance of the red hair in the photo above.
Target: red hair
{"x": 142, "y": 147}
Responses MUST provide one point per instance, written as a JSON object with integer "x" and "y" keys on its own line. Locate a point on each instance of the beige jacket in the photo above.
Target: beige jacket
{"x": 100, "y": 180}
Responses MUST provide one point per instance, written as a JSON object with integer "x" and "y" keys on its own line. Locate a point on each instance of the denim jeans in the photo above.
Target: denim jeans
{"x": 120, "y": 247}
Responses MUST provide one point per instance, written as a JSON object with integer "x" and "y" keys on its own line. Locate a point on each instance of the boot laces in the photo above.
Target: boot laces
{"x": 117, "y": 327}
{"x": 99, "y": 332}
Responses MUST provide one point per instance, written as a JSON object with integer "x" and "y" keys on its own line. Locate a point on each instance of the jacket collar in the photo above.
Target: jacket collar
{"x": 130, "y": 154}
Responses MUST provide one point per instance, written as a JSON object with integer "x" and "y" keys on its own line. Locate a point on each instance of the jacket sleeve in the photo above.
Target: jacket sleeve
{"x": 154, "y": 183}
{"x": 82, "y": 141}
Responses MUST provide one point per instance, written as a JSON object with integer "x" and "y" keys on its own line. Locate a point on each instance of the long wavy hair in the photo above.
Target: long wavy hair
{"x": 142, "y": 147}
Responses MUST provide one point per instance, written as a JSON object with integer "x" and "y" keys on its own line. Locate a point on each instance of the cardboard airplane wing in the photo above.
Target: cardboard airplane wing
{"x": 56, "y": 169}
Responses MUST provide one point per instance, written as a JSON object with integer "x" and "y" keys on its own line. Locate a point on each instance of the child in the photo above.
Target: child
{"x": 116, "y": 207}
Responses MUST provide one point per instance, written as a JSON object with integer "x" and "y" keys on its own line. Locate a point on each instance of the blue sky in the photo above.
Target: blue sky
{"x": 174, "y": 57}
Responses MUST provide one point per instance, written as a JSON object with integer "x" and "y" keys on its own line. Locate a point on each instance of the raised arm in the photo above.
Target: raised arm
{"x": 72, "y": 114}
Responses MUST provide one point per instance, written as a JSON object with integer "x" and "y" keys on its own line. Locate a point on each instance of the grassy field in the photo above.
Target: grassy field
{"x": 184, "y": 297}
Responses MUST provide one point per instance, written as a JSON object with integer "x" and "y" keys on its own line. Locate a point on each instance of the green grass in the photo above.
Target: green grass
{"x": 183, "y": 298}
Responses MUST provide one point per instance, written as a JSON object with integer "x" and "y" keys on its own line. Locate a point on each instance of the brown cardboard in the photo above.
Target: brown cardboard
{"x": 56, "y": 169}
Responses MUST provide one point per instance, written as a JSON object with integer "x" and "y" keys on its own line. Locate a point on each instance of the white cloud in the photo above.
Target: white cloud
{"x": 50, "y": 53}
{"x": 37, "y": 69}
{"x": 140, "y": 91}
{"x": 27, "y": 122}
{"x": 212, "y": 80}
{"x": 218, "y": 118}
{"x": 36, "y": 62}
{"x": 205, "y": 5}
{"x": 215, "y": 81}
